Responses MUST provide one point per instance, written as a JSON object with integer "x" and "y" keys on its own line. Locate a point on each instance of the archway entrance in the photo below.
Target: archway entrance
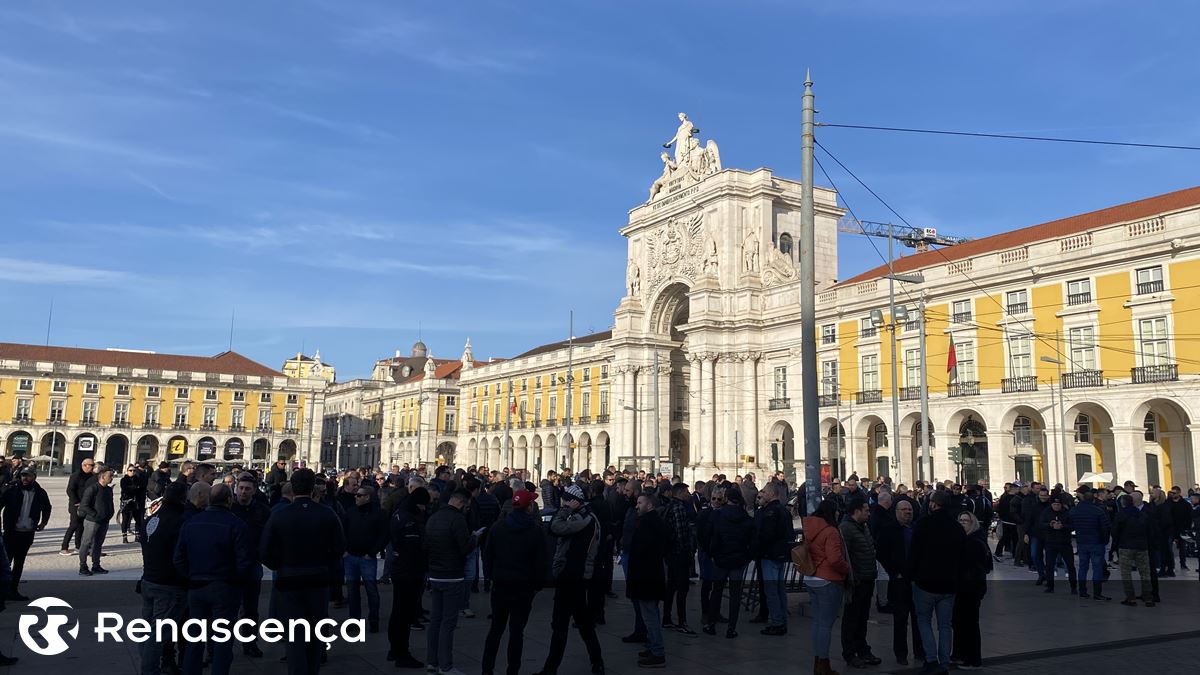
{"x": 669, "y": 314}
{"x": 85, "y": 448}
{"x": 445, "y": 454}
{"x": 783, "y": 452}
{"x": 116, "y": 448}
{"x": 235, "y": 450}
{"x": 147, "y": 448}
{"x": 19, "y": 444}
{"x": 287, "y": 450}
{"x": 177, "y": 448}
{"x": 54, "y": 445}
{"x": 206, "y": 449}
{"x": 973, "y": 444}
{"x": 260, "y": 449}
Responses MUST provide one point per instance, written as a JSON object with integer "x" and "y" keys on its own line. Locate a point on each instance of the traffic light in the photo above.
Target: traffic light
{"x": 956, "y": 455}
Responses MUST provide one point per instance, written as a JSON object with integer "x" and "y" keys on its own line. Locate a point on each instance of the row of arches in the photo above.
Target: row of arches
{"x": 54, "y": 449}
{"x": 539, "y": 454}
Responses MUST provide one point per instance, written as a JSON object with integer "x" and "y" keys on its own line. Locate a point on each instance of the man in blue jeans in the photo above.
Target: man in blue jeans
{"x": 934, "y": 564}
{"x": 447, "y": 541}
{"x": 1091, "y": 536}
{"x": 775, "y": 535}
{"x": 366, "y": 527}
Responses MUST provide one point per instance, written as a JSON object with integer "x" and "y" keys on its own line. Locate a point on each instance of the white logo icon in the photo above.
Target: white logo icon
{"x": 42, "y": 631}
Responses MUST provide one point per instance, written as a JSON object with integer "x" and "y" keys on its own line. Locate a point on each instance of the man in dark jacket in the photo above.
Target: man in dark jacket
{"x": 892, "y": 543}
{"x": 164, "y": 592}
{"x": 578, "y": 535}
{"x": 513, "y": 558}
{"x": 647, "y": 581}
{"x": 26, "y": 510}
{"x": 448, "y": 540}
{"x": 861, "y": 549}
{"x": 254, "y": 513}
{"x": 602, "y": 575}
{"x": 1131, "y": 534}
{"x": 680, "y": 555}
{"x": 728, "y": 542}
{"x": 934, "y": 565}
{"x": 407, "y": 532}
{"x": 1179, "y": 518}
{"x": 213, "y": 554}
{"x": 1031, "y": 510}
{"x": 1007, "y": 538}
{"x": 303, "y": 542}
{"x": 157, "y": 482}
{"x": 366, "y": 527}
{"x": 1091, "y": 535}
{"x": 774, "y": 536}
{"x": 1055, "y": 528}
{"x": 75, "y": 485}
{"x": 133, "y": 503}
{"x": 96, "y": 508}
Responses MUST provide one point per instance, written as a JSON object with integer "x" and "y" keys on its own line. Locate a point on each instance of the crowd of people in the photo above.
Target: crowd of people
{"x": 440, "y": 537}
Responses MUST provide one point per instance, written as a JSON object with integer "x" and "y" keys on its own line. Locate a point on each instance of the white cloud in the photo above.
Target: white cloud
{"x": 37, "y": 272}
{"x": 115, "y": 149}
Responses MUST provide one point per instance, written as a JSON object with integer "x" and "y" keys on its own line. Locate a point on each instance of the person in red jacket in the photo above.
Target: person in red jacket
{"x": 825, "y": 585}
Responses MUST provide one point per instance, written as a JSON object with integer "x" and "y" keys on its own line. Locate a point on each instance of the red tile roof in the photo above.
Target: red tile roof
{"x": 444, "y": 368}
{"x": 562, "y": 344}
{"x": 228, "y": 363}
{"x": 1132, "y": 211}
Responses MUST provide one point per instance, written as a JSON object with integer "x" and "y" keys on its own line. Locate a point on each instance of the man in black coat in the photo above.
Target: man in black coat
{"x": 646, "y": 584}
{"x": 774, "y": 536}
{"x": 1055, "y": 527}
{"x": 26, "y": 510}
{"x": 75, "y": 485}
{"x": 935, "y": 562}
{"x": 303, "y": 542}
{"x": 366, "y": 527}
{"x": 407, "y": 532}
{"x": 513, "y": 559}
{"x": 96, "y": 508}
{"x": 255, "y": 514}
{"x": 133, "y": 504}
{"x": 892, "y": 543}
{"x": 164, "y": 592}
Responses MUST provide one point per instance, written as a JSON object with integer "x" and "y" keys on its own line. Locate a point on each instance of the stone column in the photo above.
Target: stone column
{"x": 708, "y": 427}
{"x": 749, "y": 406}
{"x": 627, "y": 413}
{"x": 725, "y": 406}
{"x": 1192, "y": 450}
{"x": 1128, "y": 445}
{"x": 695, "y": 404}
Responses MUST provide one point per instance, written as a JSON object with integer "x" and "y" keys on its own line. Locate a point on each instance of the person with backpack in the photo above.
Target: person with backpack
{"x": 824, "y": 565}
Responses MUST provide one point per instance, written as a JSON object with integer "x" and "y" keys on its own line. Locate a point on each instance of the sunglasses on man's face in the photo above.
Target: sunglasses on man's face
{"x": 363, "y": 494}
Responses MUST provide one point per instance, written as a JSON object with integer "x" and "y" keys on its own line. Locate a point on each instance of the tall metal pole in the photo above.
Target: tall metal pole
{"x": 570, "y": 382}
{"x": 657, "y": 419}
{"x": 837, "y": 392}
{"x": 1062, "y": 413}
{"x": 926, "y": 460}
{"x": 808, "y": 307}
{"x": 508, "y": 406}
{"x": 894, "y": 437}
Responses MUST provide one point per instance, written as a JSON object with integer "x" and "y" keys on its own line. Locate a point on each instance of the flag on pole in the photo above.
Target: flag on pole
{"x": 952, "y": 362}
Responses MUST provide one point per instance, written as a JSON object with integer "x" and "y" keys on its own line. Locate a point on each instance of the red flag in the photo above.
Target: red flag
{"x": 952, "y": 361}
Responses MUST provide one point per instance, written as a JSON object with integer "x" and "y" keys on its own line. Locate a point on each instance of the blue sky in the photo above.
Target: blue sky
{"x": 339, "y": 172}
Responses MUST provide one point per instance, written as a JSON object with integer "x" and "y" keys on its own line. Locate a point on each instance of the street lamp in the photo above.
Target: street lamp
{"x": 897, "y": 314}
{"x": 1060, "y": 451}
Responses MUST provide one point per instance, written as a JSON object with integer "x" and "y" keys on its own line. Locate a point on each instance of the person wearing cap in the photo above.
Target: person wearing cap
{"x": 1055, "y": 527}
{"x": 26, "y": 509}
{"x": 514, "y": 559}
{"x": 578, "y": 535}
{"x": 1091, "y": 535}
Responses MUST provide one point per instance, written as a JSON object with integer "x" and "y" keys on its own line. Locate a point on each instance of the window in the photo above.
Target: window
{"x": 91, "y": 388}
{"x": 1152, "y": 333}
{"x": 448, "y": 422}
{"x": 264, "y": 397}
{"x": 604, "y": 372}
{"x": 829, "y": 378}
{"x": 89, "y": 412}
{"x": 293, "y": 399}
{"x": 496, "y": 419}
{"x": 484, "y": 420}
{"x": 1082, "y": 342}
{"x": 238, "y": 417}
{"x": 962, "y": 311}
{"x": 1079, "y": 292}
{"x": 1020, "y": 356}
{"x": 870, "y": 372}
{"x": 785, "y": 244}
{"x": 912, "y": 367}
{"x": 866, "y": 328}
{"x": 1083, "y": 464}
{"x": 264, "y": 419}
{"x": 1083, "y": 429}
{"x": 1151, "y": 469}
{"x": 524, "y": 383}
{"x": 451, "y": 400}
{"x": 587, "y": 374}
{"x": 1150, "y": 427}
{"x": 537, "y": 409}
{"x": 1023, "y": 431}
{"x": 553, "y": 378}
{"x": 210, "y": 394}
{"x": 57, "y": 406}
{"x": 182, "y": 392}
{"x": 553, "y": 408}
{"x": 59, "y": 386}
{"x": 1149, "y": 280}
{"x": 1017, "y": 302}
{"x": 122, "y": 390}
{"x": 585, "y": 409}
{"x": 181, "y": 415}
{"x": 210, "y": 415}
{"x": 24, "y": 408}
{"x": 829, "y": 334}
{"x": 151, "y": 413}
{"x": 485, "y": 391}
{"x": 604, "y": 403}
{"x": 475, "y": 415}
{"x": 25, "y": 385}
{"x": 965, "y": 353}
{"x": 537, "y": 382}
{"x": 289, "y": 420}
{"x": 153, "y": 392}
{"x": 879, "y": 431}
{"x": 781, "y": 382}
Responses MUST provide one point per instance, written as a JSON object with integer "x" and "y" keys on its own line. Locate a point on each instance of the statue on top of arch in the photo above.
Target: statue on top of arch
{"x": 691, "y": 163}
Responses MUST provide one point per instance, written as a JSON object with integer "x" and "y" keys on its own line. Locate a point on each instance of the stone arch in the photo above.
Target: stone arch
{"x": 116, "y": 451}
{"x": 445, "y": 451}
{"x": 206, "y": 449}
{"x": 669, "y": 309}
{"x": 603, "y": 447}
{"x": 54, "y": 445}
{"x": 833, "y": 447}
{"x": 86, "y": 446}
{"x": 910, "y": 426}
{"x": 971, "y": 435}
{"x": 565, "y": 451}
{"x": 1023, "y": 431}
{"x": 235, "y": 449}
{"x": 473, "y": 452}
{"x": 147, "y": 448}
{"x": 550, "y": 454}
{"x": 495, "y": 458}
{"x": 177, "y": 447}
{"x": 875, "y": 431}
{"x": 783, "y": 450}
{"x": 521, "y": 456}
{"x": 19, "y": 444}
{"x": 1090, "y": 438}
{"x": 1166, "y": 443}
{"x": 261, "y": 449}
{"x": 583, "y": 452}
{"x": 287, "y": 450}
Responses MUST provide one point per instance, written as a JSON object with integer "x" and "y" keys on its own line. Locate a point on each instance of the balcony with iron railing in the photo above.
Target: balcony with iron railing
{"x": 829, "y": 339}
{"x": 56, "y": 422}
{"x": 869, "y": 396}
{"x": 1079, "y": 298}
{"x": 1149, "y": 287}
{"x": 180, "y": 426}
{"x": 827, "y": 400}
{"x": 1018, "y": 308}
{"x": 551, "y": 422}
{"x": 237, "y": 427}
{"x": 120, "y": 424}
{"x": 910, "y": 393}
{"x": 291, "y": 430}
{"x": 1082, "y": 378}
{"x": 264, "y": 428}
{"x": 472, "y": 428}
{"x": 970, "y": 388}
{"x": 868, "y": 331}
{"x": 780, "y": 404}
{"x": 521, "y": 424}
{"x": 1021, "y": 384}
{"x": 88, "y": 422}
{"x": 565, "y": 421}
{"x": 208, "y": 426}
{"x": 585, "y": 419}
{"x": 602, "y": 418}
{"x": 1161, "y": 372}
{"x": 21, "y": 419}
{"x": 679, "y": 415}
{"x": 961, "y": 317}
{"x": 153, "y": 424}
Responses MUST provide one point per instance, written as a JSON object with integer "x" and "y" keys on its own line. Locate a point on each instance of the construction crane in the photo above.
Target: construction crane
{"x": 919, "y": 238}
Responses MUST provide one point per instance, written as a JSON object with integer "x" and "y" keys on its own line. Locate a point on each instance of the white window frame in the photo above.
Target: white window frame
{"x": 58, "y": 409}
{"x": 91, "y": 411}
{"x": 1160, "y": 352}
{"x": 955, "y": 311}
{"x": 58, "y": 386}
{"x": 210, "y": 415}
{"x": 781, "y": 382}
{"x": 869, "y": 376}
{"x": 91, "y": 388}
{"x": 964, "y": 353}
{"x": 182, "y": 419}
{"x": 25, "y": 384}
{"x": 183, "y": 392}
{"x": 1020, "y": 354}
{"x": 1081, "y": 343}
{"x": 151, "y": 413}
{"x": 24, "y": 408}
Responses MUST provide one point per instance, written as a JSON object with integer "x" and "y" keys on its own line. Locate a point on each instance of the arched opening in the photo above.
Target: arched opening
{"x": 551, "y": 454}
{"x": 19, "y": 444}
{"x": 445, "y": 453}
{"x": 535, "y": 459}
{"x": 783, "y": 450}
{"x": 287, "y": 450}
{"x": 835, "y": 451}
{"x": 1028, "y": 450}
{"x": 603, "y": 448}
{"x": 261, "y": 448}
{"x": 116, "y": 451}
{"x": 1165, "y": 442}
{"x": 583, "y": 451}
{"x": 85, "y": 448}
{"x": 1090, "y": 442}
{"x": 473, "y": 452}
{"x": 785, "y": 244}
{"x": 147, "y": 448}
{"x": 54, "y": 446}
{"x": 915, "y": 449}
{"x": 235, "y": 450}
{"x": 496, "y": 457}
{"x": 177, "y": 448}
{"x": 206, "y": 449}
{"x": 973, "y": 452}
